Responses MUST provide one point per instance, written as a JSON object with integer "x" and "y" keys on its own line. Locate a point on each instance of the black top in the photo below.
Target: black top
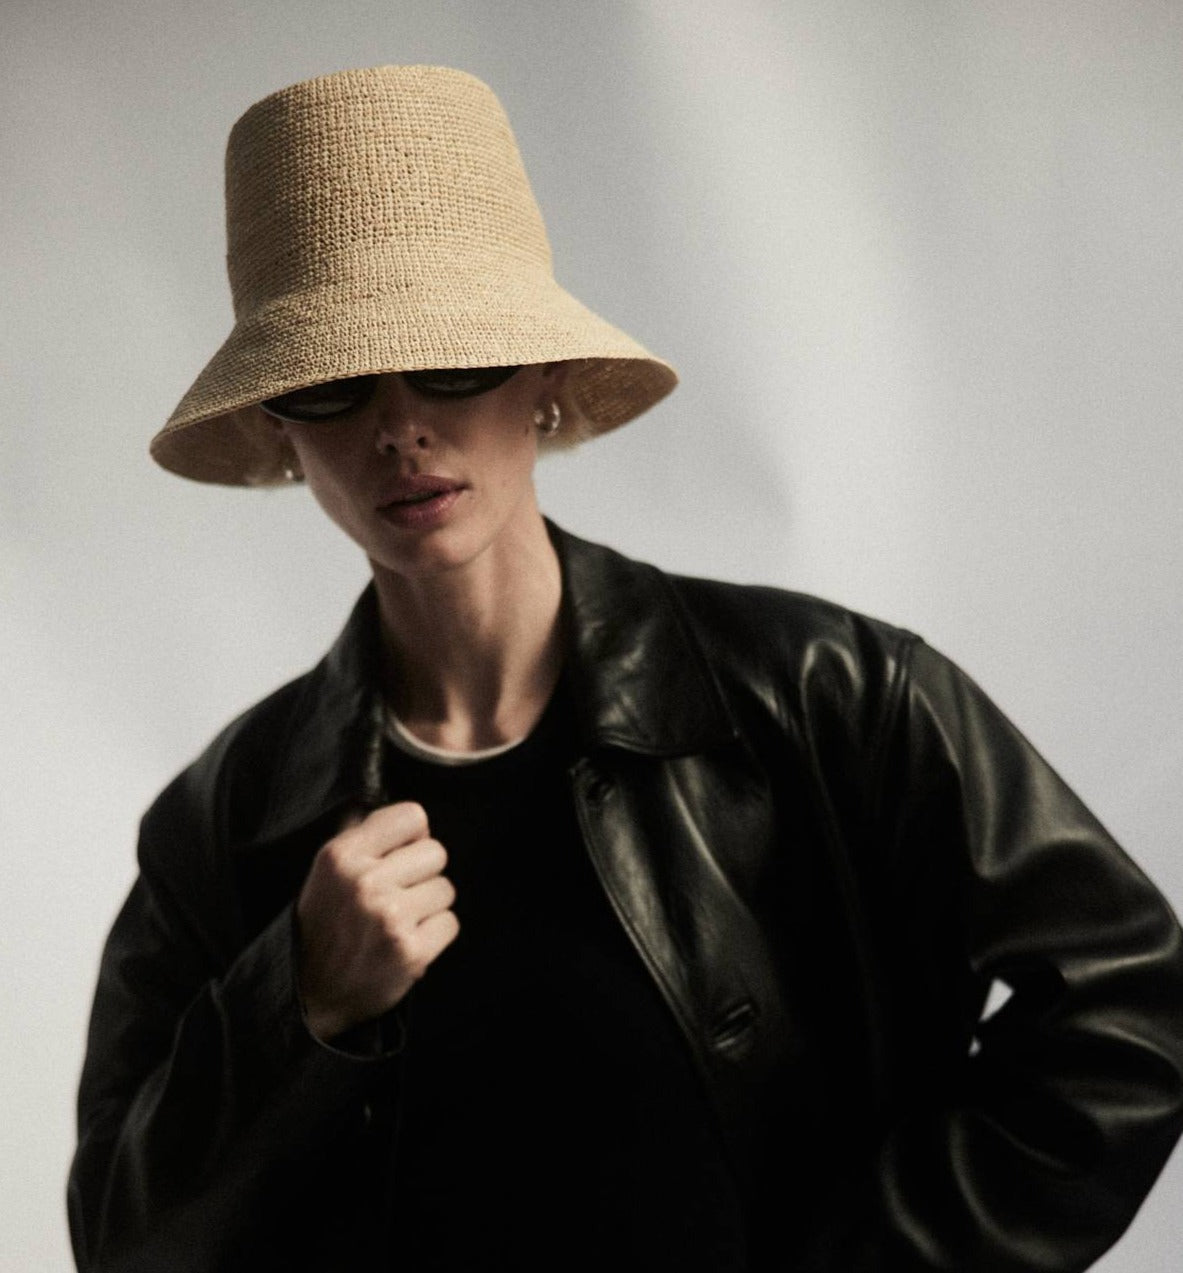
{"x": 547, "y": 1088}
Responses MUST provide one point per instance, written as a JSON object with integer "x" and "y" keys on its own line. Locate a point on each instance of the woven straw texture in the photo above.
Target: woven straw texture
{"x": 377, "y": 221}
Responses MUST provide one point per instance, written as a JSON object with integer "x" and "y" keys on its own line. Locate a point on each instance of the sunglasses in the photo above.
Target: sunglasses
{"x": 339, "y": 397}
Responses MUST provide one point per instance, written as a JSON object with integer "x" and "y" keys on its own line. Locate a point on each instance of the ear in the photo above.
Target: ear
{"x": 291, "y": 462}
{"x": 554, "y": 374}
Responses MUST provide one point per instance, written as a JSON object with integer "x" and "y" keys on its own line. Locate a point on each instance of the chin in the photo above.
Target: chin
{"x": 430, "y": 553}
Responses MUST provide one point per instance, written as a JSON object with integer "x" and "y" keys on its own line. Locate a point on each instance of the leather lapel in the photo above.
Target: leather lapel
{"x": 639, "y": 677}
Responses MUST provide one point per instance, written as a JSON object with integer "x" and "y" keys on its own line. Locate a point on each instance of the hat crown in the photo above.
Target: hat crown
{"x": 394, "y": 180}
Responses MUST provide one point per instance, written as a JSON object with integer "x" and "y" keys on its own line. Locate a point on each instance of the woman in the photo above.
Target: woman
{"x": 569, "y": 913}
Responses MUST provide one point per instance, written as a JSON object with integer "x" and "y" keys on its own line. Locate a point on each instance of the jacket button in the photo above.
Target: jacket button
{"x": 598, "y": 789}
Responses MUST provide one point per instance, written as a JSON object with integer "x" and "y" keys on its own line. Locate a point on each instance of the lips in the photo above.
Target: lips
{"x": 417, "y": 488}
{"x": 420, "y": 501}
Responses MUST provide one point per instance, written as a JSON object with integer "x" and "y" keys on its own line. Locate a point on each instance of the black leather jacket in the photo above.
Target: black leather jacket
{"x": 825, "y": 844}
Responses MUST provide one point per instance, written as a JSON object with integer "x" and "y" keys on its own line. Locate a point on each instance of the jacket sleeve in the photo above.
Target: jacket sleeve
{"x": 1033, "y": 1148}
{"x": 204, "y": 1099}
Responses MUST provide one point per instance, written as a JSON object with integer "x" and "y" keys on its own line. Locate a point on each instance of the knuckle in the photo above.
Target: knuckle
{"x": 415, "y": 814}
{"x": 334, "y": 854}
{"x": 396, "y": 928}
{"x": 368, "y": 892}
{"x": 436, "y": 852}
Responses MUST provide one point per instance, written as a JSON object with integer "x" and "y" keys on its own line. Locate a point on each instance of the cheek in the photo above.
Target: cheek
{"x": 517, "y": 470}
{"x": 499, "y": 453}
{"x": 329, "y": 483}
{"x": 327, "y": 458}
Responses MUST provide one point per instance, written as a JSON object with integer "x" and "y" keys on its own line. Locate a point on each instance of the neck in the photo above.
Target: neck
{"x": 472, "y": 653}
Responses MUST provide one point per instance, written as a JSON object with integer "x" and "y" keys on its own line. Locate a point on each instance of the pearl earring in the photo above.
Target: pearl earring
{"x": 547, "y": 422}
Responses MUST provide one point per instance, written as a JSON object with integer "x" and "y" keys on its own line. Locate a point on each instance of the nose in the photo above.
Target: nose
{"x": 399, "y": 427}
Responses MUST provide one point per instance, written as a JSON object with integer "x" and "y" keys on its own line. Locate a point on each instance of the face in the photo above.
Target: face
{"x": 423, "y": 483}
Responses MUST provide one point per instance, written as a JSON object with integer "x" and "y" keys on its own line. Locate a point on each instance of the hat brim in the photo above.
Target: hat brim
{"x": 219, "y": 434}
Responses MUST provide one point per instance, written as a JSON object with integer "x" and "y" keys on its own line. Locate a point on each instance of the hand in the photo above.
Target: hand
{"x": 374, "y": 912}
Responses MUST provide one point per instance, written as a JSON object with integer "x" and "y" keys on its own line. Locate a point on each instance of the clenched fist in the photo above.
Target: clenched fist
{"x": 373, "y": 913}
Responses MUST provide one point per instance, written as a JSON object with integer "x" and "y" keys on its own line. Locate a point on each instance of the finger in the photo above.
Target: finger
{"x": 385, "y": 829}
{"x": 429, "y": 898}
{"x": 437, "y": 933}
{"x": 407, "y": 866}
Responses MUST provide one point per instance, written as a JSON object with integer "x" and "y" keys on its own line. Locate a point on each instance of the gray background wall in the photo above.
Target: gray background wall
{"x": 918, "y": 263}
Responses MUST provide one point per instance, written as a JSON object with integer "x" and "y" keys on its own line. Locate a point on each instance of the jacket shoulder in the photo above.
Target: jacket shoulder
{"x": 776, "y": 629}
{"x": 704, "y": 658}
{"x": 800, "y": 671}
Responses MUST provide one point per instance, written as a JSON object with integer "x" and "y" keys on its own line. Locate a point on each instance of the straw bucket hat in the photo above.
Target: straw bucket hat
{"x": 380, "y": 221}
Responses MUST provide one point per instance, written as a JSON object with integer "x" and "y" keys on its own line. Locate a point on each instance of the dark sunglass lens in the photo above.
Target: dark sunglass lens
{"x": 458, "y": 382}
{"x": 323, "y": 402}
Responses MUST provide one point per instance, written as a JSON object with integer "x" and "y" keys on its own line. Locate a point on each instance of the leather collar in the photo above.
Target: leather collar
{"x": 639, "y": 682}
